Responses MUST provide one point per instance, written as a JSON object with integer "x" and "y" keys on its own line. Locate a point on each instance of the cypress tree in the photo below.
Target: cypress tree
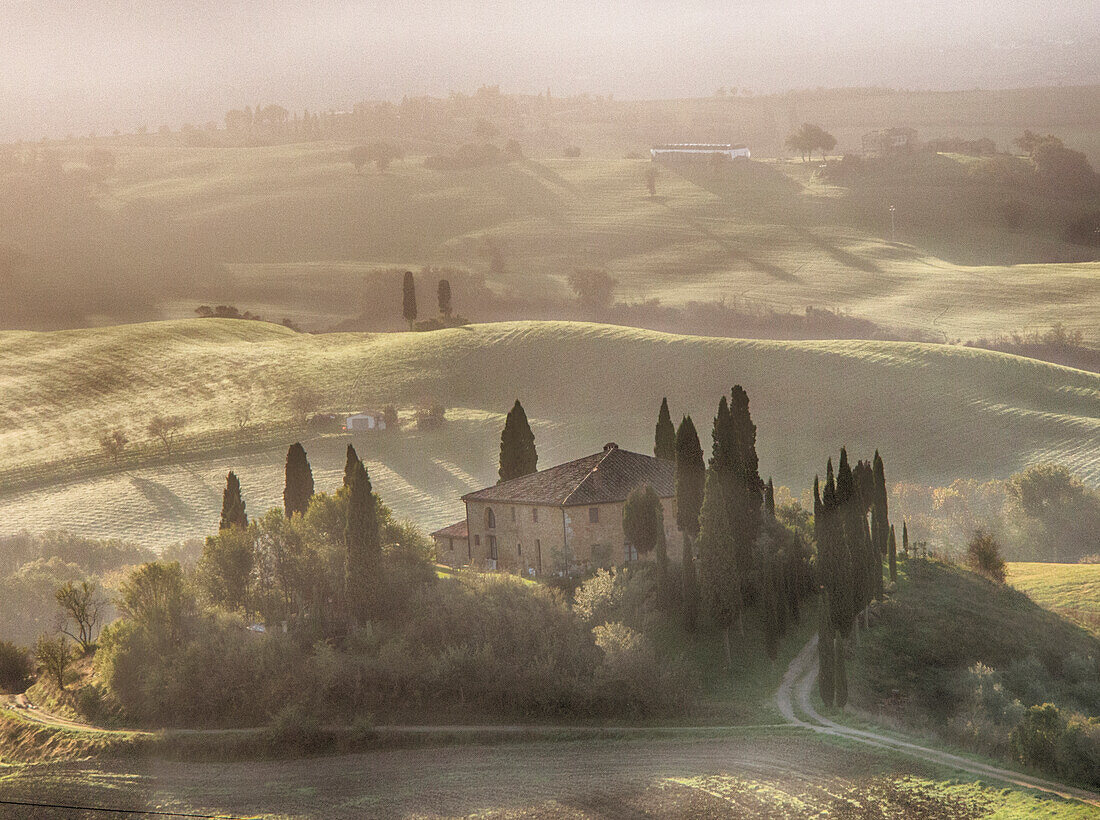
{"x": 233, "y": 514}
{"x": 691, "y": 474}
{"x": 904, "y": 538}
{"x": 769, "y": 499}
{"x": 838, "y": 566}
{"x": 841, "y": 673}
{"x": 826, "y": 649}
{"x": 718, "y": 576}
{"x": 408, "y": 302}
{"x": 664, "y": 445}
{"x": 879, "y": 511}
{"x": 892, "y": 547}
{"x": 644, "y": 529}
{"x": 364, "y": 548}
{"x": 444, "y": 295}
{"x": 518, "y": 456}
{"x": 299, "y": 481}
{"x": 747, "y": 489}
{"x": 349, "y": 465}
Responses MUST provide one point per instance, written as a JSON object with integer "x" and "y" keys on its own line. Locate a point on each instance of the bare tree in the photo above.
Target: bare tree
{"x": 243, "y": 405}
{"x": 113, "y": 443}
{"x": 53, "y": 657}
{"x": 81, "y": 604}
{"x": 303, "y": 402}
{"x": 166, "y": 428}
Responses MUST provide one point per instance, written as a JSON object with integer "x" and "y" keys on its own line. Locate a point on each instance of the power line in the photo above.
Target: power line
{"x": 119, "y": 811}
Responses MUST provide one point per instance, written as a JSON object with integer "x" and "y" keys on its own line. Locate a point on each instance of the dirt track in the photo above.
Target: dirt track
{"x": 796, "y": 689}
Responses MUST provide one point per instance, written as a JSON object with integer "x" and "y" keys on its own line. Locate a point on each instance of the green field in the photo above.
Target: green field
{"x": 937, "y": 413}
{"x": 292, "y": 230}
{"x": 1071, "y": 590}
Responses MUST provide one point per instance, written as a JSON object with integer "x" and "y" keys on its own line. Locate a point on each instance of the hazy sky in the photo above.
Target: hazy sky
{"x": 77, "y": 66}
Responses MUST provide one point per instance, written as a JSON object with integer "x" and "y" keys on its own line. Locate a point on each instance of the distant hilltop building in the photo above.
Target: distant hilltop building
{"x": 367, "y": 420}
{"x": 696, "y": 151}
{"x": 561, "y": 518}
{"x": 889, "y": 141}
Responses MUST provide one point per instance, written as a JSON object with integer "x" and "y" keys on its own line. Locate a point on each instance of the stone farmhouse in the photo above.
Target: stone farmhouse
{"x": 565, "y": 517}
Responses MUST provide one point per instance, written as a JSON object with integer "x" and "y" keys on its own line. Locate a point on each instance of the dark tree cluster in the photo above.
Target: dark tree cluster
{"x": 738, "y": 557}
{"x": 850, "y": 552}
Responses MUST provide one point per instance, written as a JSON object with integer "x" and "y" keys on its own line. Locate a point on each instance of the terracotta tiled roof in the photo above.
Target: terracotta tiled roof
{"x": 455, "y": 530}
{"x": 600, "y": 478}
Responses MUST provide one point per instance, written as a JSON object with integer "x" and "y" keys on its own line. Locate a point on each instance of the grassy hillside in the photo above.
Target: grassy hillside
{"x": 937, "y": 413}
{"x": 1071, "y": 590}
{"x": 292, "y": 230}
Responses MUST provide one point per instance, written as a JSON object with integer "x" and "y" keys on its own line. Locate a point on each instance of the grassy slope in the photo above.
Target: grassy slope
{"x": 941, "y": 621}
{"x": 937, "y": 413}
{"x": 292, "y": 230}
{"x": 1071, "y": 590}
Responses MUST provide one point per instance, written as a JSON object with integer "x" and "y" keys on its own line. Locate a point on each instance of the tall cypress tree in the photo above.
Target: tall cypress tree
{"x": 364, "y": 548}
{"x": 233, "y": 514}
{"x": 349, "y": 465}
{"x": 718, "y": 575}
{"x": 408, "y": 302}
{"x": 841, "y": 685}
{"x": 691, "y": 475}
{"x": 892, "y": 548}
{"x": 664, "y": 445}
{"x": 904, "y": 538}
{"x": 769, "y": 499}
{"x": 879, "y": 511}
{"x": 826, "y": 651}
{"x": 747, "y": 490}
{"x": 298, "y": 489}
{"x": 443, "y": 294}
{"x": 518, "y": 456}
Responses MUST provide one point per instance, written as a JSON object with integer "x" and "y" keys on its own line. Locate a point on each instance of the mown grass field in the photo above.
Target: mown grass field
{"x": 1071, "y": 590}
{"x": 749, "y": 775}
{"x": 937, "y": 413}
{"x": 292, "y": 230}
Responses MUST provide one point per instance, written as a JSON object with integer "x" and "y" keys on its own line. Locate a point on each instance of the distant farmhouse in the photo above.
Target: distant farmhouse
{"x": 561, "y": 518}
{"x": 697, "y": 152}
{"x": 889, "y": 141}
{"x": 367, "y": 420}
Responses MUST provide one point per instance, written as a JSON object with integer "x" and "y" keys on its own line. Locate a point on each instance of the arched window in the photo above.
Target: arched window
{"x": 490, "y": 519}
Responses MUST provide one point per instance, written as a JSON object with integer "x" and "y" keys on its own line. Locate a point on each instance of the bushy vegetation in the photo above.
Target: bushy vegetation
{"x": 1043, "y": 513}
{"x": 33, "y": 567}
{"x": 336, "y": 612}
{"x": 977, "y": 661}
{"x": 15, "y": 667}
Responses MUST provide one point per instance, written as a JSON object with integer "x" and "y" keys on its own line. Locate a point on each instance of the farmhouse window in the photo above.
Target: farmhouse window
{"x": 631, "y": 553}
{"x": 477, "y": 540}
{"x": 519, "y": 549}
{"x": 490, "y": 519}
{"x": 593, "y": 515}
{"x": 513, "y": 515}
{"x": 535, "y": 514}
{"x": 493, "y": 547}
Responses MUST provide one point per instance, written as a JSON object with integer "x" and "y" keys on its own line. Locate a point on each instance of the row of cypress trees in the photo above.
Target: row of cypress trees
{"x": 736, "y": 555}
{"x": 850, "y": 552}
{"x": 362, "y": 534}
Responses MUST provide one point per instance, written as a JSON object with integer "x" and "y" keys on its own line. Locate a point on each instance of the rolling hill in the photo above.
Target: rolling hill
{"x": 293, "y": 230}
{"x": 245, "y": 388}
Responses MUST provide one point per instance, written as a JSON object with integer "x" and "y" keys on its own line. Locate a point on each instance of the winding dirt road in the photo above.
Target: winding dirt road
{"x": 795, "y": 704}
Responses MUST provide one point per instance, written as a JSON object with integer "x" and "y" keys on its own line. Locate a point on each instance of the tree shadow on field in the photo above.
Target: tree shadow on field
{"x": 546, "y": 175}
{"x": 160, "y": 497}
{"x": 842, "y": 256}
